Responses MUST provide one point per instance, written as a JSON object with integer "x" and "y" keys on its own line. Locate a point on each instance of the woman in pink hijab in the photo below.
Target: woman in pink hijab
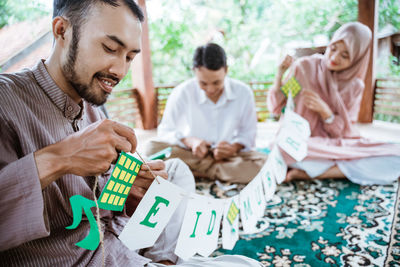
{"x": 332, "y": 87}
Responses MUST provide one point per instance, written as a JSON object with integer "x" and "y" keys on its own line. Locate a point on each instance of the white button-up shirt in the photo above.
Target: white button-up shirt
{"x": 190, "y": 113}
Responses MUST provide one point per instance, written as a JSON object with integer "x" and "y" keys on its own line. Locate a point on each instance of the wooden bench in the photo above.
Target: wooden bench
{"x": 125, "y": 105}
{"x": 387, "y": 100}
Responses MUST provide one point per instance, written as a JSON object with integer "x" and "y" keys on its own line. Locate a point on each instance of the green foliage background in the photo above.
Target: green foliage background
{"x": 12, "y": 11}
{"x": 256, "y": 32}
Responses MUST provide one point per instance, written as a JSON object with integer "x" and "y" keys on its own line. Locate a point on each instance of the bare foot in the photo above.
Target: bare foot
{"x": 166, "y": 262}
{"x": 296, "y": 174}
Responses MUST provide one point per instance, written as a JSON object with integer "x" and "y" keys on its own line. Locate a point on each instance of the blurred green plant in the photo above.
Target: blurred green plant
{"x": 126, "y": 82}
{"x": 12, "y": 11}
{"x": 389, "y": 11}
{"x": 255, "y": 34}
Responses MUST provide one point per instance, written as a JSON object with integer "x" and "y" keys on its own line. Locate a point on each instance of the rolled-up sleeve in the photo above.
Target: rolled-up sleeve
{"x": 22, "y": 210}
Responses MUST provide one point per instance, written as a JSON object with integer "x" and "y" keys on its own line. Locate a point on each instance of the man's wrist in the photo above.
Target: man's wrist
{"x": 49, "y": 165}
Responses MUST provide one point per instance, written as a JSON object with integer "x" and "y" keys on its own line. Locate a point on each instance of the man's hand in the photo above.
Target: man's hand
{"x": 198, "y": 146}
{"x": 314, "y": 102}
{"x": 142, "y": 182}
{"x": 85, "y": 153}
{"x": 225, "y": 150}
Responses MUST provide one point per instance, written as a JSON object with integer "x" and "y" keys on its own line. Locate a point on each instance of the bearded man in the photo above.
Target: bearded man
{"x": 54, "y": 140}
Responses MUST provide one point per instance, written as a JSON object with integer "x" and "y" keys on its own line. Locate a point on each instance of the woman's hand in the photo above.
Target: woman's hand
{"x": 285, "y": 64}
{"x": 314, "y": 102}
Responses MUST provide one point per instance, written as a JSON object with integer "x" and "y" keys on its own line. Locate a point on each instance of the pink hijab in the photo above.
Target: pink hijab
{"x": 335, "y": 87}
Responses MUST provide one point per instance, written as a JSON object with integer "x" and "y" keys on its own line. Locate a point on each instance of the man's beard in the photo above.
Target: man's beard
{"x": 85, "y": 91}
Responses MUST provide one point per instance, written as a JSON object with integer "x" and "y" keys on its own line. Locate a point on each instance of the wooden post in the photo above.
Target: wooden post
{"x": 368, "y": 15}
{"x": 142, "y": 78}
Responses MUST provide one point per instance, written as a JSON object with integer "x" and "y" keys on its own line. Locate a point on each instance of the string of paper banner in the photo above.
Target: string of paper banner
{"x": 201, "y": 224}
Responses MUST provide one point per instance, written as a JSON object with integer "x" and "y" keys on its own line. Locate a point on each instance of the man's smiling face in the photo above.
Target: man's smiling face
{"x": 101, "y": 51}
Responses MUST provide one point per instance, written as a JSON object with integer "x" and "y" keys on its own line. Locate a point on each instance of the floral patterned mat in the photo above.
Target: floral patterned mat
{"x": 322, "y": 223}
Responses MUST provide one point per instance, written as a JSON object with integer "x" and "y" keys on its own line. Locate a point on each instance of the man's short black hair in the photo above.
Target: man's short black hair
{"x": 210, "y": 56}
{"x": 77, "y": 10}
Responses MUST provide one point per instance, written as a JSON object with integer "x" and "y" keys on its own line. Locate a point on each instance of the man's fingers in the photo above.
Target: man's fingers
{"x": 204, "y": 150}
{"x": 221, "y": 153}
{"x": 226, "y": 148}
{"x": 218, "y": 155}
{"x": 123, "y": 144}
{"x": 221, "y": 150}
{"x": 146, "y": 178}
{"x": 200, "y": 151}
{"x": 149, "y": 175}
{"x": 222, "y": 147}
{"x": 154, "y": 165}
{"x": 222, "y": 143}
{"x": 162, "y": 174}
{"x": 200, "y": 154}
{"x": 126, "y": 132}
{"x": 145, "y": 174}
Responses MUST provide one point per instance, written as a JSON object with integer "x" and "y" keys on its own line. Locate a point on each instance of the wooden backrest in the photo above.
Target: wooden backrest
{"x": 387, "y": 100}
{"x": 260, "y": 90}
{"x": 125, "y": 105}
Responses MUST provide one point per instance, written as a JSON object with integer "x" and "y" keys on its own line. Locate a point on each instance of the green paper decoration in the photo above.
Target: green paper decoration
{"x": 78, "y": 202}
{"x": 165, "y": 153}
{"x": 113, "y": 198}
{"x": 232, "y": 212}
{"x": 118, "y": 186}
{"x": 293, "y": 86}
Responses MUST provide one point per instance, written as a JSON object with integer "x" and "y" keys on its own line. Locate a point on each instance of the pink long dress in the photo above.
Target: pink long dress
{"x": 338, "y": 142}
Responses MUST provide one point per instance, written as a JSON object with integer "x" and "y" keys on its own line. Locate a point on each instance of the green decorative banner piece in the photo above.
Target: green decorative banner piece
{"x": 232, "y": 212}
{"x": 165, "y": 153}
{"x": 118, "y": 186}
{"x": 293, "y": 86}
{"x": 79, "y": 203}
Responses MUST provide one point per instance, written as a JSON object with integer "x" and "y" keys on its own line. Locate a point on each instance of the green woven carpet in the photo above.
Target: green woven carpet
{"x": 323, "y": 223}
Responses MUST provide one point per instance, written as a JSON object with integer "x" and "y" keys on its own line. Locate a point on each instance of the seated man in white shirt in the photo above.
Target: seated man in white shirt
{"x": 210, "y": 121}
